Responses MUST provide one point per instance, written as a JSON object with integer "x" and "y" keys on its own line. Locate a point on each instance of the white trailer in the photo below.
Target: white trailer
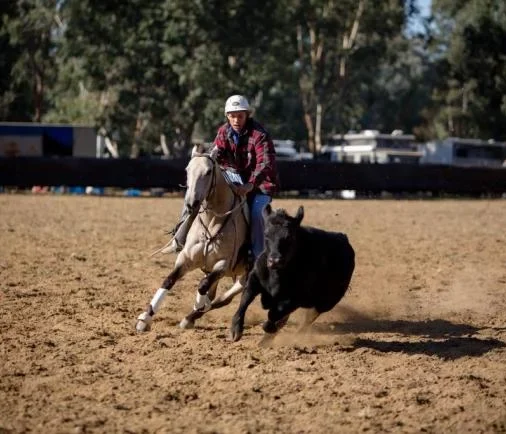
{"x": 456, "y": 151}
{"x": 285, "y": 150}
{"x": 371, "y": 146}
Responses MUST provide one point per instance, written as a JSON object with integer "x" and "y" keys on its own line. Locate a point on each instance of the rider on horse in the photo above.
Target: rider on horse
{"x": 244, "y": 146}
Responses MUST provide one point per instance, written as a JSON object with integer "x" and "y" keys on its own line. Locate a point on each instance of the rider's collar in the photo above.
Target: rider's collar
{"x": 231, "y": 132}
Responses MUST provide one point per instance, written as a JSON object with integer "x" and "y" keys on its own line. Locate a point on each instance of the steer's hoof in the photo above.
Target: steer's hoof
{"x": 186, "y": 324}
{"x": 144, "y": 322}
{"x": 235, "y": 333}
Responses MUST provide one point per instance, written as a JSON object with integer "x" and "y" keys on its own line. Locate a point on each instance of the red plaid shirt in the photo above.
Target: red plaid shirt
{"x": 253, "y": 157}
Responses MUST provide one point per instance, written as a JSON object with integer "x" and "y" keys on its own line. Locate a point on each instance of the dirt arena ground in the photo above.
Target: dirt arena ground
{"x": 418, "y": 345}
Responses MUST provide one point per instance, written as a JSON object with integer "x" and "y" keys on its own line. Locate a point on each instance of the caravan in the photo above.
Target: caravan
{"x": 371, "y": 146}
{"x": 456, "y": 151}
{"x": 285, "y": 151}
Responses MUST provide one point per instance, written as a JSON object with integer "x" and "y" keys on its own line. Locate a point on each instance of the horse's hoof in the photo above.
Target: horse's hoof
{"x": 203, "y": 303}
{"x": 186, "y": 324}
{"x": 144, "y": 322}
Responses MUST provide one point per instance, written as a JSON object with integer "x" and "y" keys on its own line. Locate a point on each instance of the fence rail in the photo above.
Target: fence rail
{"x": 299, "y": 175}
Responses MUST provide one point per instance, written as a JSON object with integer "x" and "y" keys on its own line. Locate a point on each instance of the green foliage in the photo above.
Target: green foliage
{"x": 340, "y": 47}
{"x": 27, "y": 33}
{"x": 142, "y": 68}
{"x": 471, "y": 93}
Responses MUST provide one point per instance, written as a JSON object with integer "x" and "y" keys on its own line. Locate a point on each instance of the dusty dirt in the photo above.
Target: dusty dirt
{"x": 418, "y": 345}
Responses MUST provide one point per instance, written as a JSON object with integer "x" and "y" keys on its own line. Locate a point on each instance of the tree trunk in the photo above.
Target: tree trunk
{"x": 308, "y": 120}
{"x": 305, "y": 93}
{"x": 163, "y": 144}
{"x": 318, "y": 129}
{"x": 38, "y": 96}
{"x": 140, "y": 124}
{"x": 186, "y": 136}
{"x": 111, "y": 146}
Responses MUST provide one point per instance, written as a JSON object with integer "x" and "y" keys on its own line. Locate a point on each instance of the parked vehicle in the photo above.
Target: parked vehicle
{"x": 458, "y": 151}
{"x": 371, "y": 146}
{"x": 286, "y": 150}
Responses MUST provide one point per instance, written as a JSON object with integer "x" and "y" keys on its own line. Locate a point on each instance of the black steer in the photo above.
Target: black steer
{"x": 299, "y": 267}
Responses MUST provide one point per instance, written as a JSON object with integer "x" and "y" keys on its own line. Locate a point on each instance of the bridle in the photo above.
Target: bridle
{"x": 204, "y": 207}
{"x": 212, "y": 188}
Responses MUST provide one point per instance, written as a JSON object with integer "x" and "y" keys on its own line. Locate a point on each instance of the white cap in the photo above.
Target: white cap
{"x": 236, "y": 103}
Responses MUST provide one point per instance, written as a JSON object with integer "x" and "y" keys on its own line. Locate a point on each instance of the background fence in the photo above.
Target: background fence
{"x": 299, "y": 176}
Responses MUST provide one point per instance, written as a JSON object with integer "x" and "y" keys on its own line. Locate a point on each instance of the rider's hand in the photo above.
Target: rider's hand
{"x": 243, "y": 190}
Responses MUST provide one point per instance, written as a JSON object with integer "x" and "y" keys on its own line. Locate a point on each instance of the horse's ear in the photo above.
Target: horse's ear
{"x": 300, "y": 214}
{"x": 267, "y": 211}
{"x": 201, "y": 148}
{"x": 198, "y": 149}
{"x": 214, "y": 152}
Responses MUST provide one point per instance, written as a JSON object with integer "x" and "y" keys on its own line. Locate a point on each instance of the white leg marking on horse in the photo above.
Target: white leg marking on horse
{"x": 202, "y": 302}
{"x": 228, "y": 295}
{"x": 144, "y": 321}
{"x": 220, "y": 265}
{"x": 157, "y": 300}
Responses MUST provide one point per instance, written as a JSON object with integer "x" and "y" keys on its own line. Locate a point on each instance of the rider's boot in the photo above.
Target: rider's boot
{"x": 180, "y": 233}
{"x": 175, "y": 246}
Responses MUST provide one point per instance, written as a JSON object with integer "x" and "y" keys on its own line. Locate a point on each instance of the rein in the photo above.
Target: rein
{"x": 234, "y": 209}
{"x": 206, "y": 208}
{"x": 202, "y": 209}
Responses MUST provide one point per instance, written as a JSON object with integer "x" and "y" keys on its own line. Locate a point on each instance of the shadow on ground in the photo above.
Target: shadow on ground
{"x": 435, "y": 329}
{"x": 435, "y": 337}
{"x": 448, "y": 349}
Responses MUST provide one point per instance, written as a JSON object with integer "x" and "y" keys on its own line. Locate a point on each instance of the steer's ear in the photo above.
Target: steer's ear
{"x": 267, "y": 210}
{"x": 300, "y": 214}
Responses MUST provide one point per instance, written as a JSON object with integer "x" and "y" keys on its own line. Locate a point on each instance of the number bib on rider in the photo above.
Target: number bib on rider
{"x": 232, "y": 177}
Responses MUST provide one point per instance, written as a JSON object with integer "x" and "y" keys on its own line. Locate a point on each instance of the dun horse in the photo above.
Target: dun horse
{"x": 214, "y": 243}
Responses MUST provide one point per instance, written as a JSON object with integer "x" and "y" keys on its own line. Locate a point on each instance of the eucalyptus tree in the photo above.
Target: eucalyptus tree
{"x": 163, "y": 66}
{"x": 338, "y": 44}
{"x": 471, "y": 94}
{"x": 28, "y": 34}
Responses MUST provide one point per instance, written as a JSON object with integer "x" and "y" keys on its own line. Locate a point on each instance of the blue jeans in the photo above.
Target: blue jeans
{"x": 257, "y": 204}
